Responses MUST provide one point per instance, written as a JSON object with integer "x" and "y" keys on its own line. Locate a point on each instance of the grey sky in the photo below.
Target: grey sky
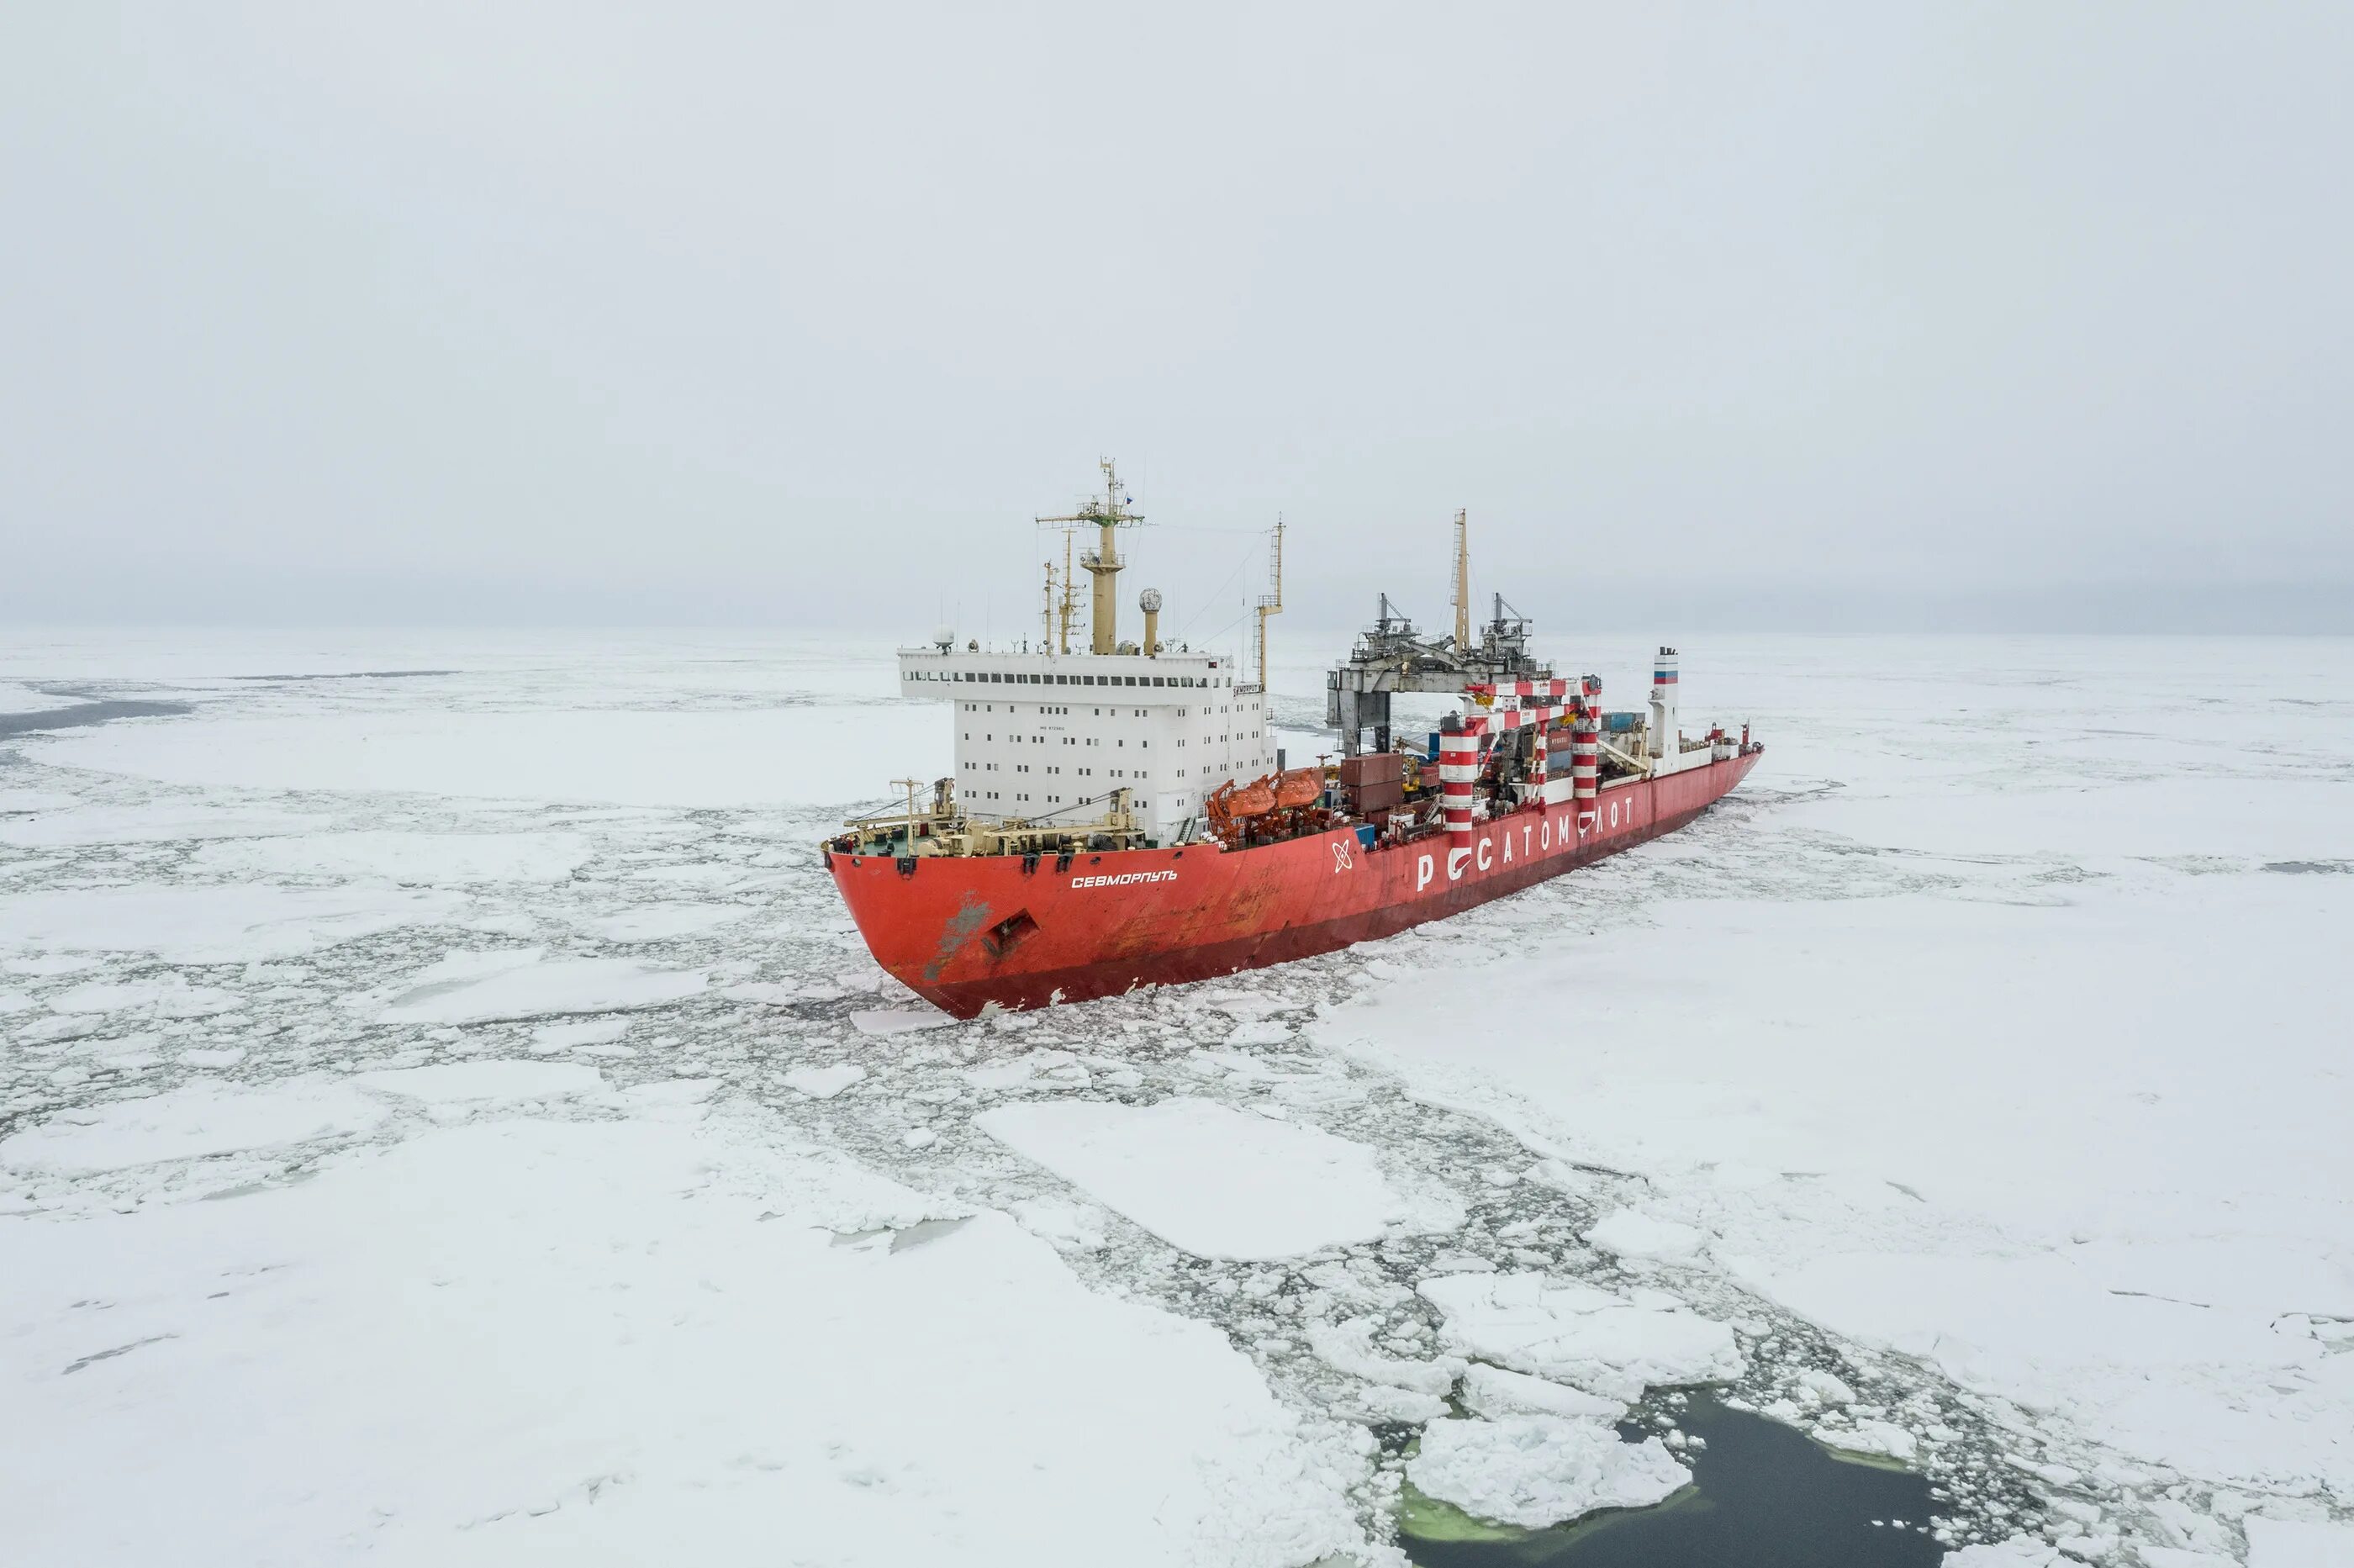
{"x": 1863, "y": 315}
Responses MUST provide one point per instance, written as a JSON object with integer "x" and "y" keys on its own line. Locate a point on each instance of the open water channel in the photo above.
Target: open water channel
{"x": 1763, "y": 1495}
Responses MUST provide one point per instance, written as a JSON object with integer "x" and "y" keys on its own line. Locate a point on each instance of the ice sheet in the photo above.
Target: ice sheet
{"x": 2113, "y": 1098}
{"x": 199, "y": 1119}
{"x": 228, "y": 923}
{"x": 824, "y": 1082}
{"x": 18, "y": 698}
{"x": 1574, "y": 1334}
{"x": 663, "y": 922}
{"x": 624, "y": 756}
{"x": 159, "y": 822}
{"x": 528, "y": 1342}
{"x": 429, "y": 860}
{"x": 1215, "y": 1181}
{"x": 2207, "y": 815}
{"x": 1630, "y": 1234}
{"x": 2299, "y": 1543}
{"x": 166, "y": 996}
{"x": 1499, "y": 1391}
{"x": 2004, "y": 978}
{"x": 540, "y": 988}
{"x": 1535, "y": 1471}
{"x": 483, "y": 1083}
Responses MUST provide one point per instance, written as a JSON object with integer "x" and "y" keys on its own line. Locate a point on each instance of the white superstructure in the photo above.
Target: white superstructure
{"x": 1040, "y": 734}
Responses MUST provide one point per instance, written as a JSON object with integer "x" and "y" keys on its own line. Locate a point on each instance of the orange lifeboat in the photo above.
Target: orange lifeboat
{"x": 1253, "y": 799}
{"x": 1299, "y": 787}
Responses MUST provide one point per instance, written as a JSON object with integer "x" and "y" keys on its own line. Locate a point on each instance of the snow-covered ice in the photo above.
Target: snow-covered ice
{"x": 1541, "y": 1469}
{"x": 1628, "y": 1233}
{"x": 528, "y": 1340}
{"x": 897, "y": 1020}
{"x": 1216, "y": 1181}
{"x": 2299, "y": 1543}
{"x": 200, "y": 1118}
{"x": 18, "y": 698}
{"x": 1590, "y": 1338}
{"x": 1499, "y": 1391}
{"x": 2015, "y": 1552}
{"x": 429, "y": 860}
{"x": 168, "y": 822}
{"x": 539, "y": 988}
{"x": 167, "y": 996}
{"x": 824, "y": 1082}
{"x": 227, "y": 923}
{"x": 493, "y": 1083}
{"x": 1969, "y": 1085}
{"x": 550, "y": 1038}
{"x": 625, "y": 756}
{"x": 664, "y": 922}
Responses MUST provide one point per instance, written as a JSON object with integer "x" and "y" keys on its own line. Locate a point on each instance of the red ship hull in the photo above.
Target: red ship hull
{"x": 966, "y": 931}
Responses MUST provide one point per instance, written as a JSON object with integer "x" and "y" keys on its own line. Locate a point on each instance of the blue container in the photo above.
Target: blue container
{"x": 1365, "y": 835}
{"x": 1619, "y": 724}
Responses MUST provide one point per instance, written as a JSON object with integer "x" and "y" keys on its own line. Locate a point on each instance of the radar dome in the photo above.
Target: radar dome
{"x": 1149, "y": 601}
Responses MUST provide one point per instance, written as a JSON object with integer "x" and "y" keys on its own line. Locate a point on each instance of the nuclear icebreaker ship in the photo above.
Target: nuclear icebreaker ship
{"x": 1121, "y": 817}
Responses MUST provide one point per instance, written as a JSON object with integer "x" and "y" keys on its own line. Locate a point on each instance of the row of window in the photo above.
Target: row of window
{"x": 1067, "y": 740}
{"x": 1016, "y": 708}
{"x": 1001, "y": 678}
{"x": 1088, "y": 772}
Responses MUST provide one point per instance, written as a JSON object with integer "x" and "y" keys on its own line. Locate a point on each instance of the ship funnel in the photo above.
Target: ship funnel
{"x": 1663, "y": 703}
{"x": 1149, "y": 601}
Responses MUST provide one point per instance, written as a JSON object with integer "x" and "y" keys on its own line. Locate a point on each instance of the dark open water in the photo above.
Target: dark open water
{"x": 1765, "y": 1496}
{"x": 85, "y": 714}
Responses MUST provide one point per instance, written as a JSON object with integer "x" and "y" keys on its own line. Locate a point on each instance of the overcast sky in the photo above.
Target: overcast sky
{"x": 1857, "y": 317}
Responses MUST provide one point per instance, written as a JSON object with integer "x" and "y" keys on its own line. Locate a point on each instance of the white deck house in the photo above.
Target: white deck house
{"x": 1042, "y": 733}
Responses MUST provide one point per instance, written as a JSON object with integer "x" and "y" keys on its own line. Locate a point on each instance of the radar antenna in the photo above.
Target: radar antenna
{"x": 1103, "y": 563}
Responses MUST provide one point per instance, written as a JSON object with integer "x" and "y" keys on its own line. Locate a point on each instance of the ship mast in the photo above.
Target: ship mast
{"x": 1103, "y": 563}
{"x": 1070, "y": 598}
{"x": 1270, "y": 603}
{"x": 1462, "y": 579}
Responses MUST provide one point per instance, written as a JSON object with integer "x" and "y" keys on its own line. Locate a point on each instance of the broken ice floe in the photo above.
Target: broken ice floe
{"x": 1591, "y": 1339}
{"x": 1534, "y": 1470}
{"x": 486, "y": 991}
{"x": 1627, "y": 1233}
{"x": 664, "y": 922}
{"x": 202, "y": 925}
{"x": 1205, "y": 1177}
{"x": 1498, "y": 1392}
{"x": 483, "y": 1083}
{"x": 199, "y": 1119}
{"x": 160, "y": 823}
{"x": 898, "y": 1020}
{"x": 824, "y": 1082}
{"x": 417, "y": 859}
{"x": 165, "y": 996}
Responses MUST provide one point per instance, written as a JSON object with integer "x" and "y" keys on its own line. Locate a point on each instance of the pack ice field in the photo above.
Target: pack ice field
{"x": 447, "y": 1113}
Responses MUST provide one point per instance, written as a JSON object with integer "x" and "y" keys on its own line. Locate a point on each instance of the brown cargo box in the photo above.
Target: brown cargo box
{"x": 1385, "y": 796}
{"x": 1373, "y": 767}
